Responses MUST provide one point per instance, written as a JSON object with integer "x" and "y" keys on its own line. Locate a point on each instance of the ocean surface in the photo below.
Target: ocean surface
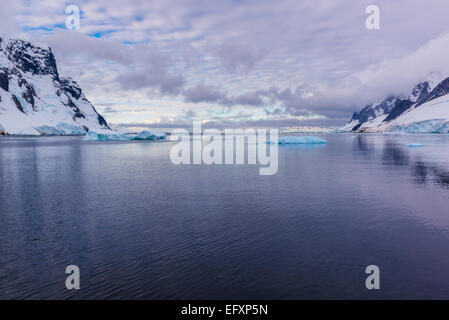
{"x": 140, "y": 227}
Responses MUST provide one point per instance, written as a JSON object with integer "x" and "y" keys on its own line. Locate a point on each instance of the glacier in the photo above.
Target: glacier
{"x": 427, "y": 126}
{"x": 60, "y": 129}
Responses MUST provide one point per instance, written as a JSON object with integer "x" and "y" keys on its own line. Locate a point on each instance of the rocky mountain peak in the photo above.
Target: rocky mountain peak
{"x": 34, "y": 99}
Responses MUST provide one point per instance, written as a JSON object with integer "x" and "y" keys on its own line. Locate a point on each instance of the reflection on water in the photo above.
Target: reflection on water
{"x": 140, "y": 227}
{"x": 424, "y": 172}
{"x": 423, "y": 169}
{"x": 392, "y": 155}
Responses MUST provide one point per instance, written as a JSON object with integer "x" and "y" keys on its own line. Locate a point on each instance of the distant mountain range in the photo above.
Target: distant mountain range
{"x": 35, "y": 99}
{"x": 425, "y": 110}
{"x": 306, "y": 130}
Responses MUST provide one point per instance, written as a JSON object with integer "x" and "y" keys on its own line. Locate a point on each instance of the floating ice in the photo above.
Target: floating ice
{"x": 109, "y": 135}
{"x": 301, "y": 140}
{"x": 150, "y": 135}
{"x": 106, "y": 136}
{"x": 415, "y": 145}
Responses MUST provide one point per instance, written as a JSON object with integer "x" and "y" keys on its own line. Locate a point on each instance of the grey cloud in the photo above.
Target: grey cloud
{"x": 317, "y": 53}
{"x": 301, "y": 101}
{"x": 151, "y": 66}
{"x": 172, "y": 84}
{"x": 7, "y": 23}
{"x": 70, "y": 43}
{"x": 145, "y": 78}
{"x": 110, "y": 110}
{"x": 190, "y": 114}
{"x": 275, "y": 112}
{"x": 203, "y": 93}
{"x": 234, "y": 122}
{"x": 240, "y": 54}
{"x": 249, "y": 98}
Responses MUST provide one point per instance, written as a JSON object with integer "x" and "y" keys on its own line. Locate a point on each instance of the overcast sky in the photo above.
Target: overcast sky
{"x": 235, "y": 62}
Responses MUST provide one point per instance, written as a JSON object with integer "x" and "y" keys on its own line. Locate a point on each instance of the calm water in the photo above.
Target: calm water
{"x": 140, "y": 227}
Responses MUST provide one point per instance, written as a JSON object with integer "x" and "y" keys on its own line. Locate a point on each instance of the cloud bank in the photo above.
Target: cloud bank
{"x": 245, "y": 62}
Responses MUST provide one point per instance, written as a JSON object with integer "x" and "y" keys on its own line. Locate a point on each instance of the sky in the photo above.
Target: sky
{"x": 237, "y": 63}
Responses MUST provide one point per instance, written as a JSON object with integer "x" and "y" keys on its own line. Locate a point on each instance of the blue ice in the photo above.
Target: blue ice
{"x": 415, "y": 145}
{"x": 106, "y": 136}
{"x": 150, "y": 135}
{"x": 301, "y": 140}
{"x": 117, "y": 136}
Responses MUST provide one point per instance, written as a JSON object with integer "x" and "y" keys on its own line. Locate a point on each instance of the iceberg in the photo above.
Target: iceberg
{"x": 106, "y": 135}
{"x": 415, "y": 145}
{"x": 109, "y": 135}
{"x": 300, "y": 140}
{"x": 150, "y": 135}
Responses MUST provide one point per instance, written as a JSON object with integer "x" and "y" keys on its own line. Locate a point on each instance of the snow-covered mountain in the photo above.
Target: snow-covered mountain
{"x": 35, "y": 100}
{"x": 426, "y": 109}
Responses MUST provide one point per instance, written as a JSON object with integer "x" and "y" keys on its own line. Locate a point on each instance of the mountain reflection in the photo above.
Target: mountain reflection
{"x": 396, "y": 154}
{"x": 425, "y": 172}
